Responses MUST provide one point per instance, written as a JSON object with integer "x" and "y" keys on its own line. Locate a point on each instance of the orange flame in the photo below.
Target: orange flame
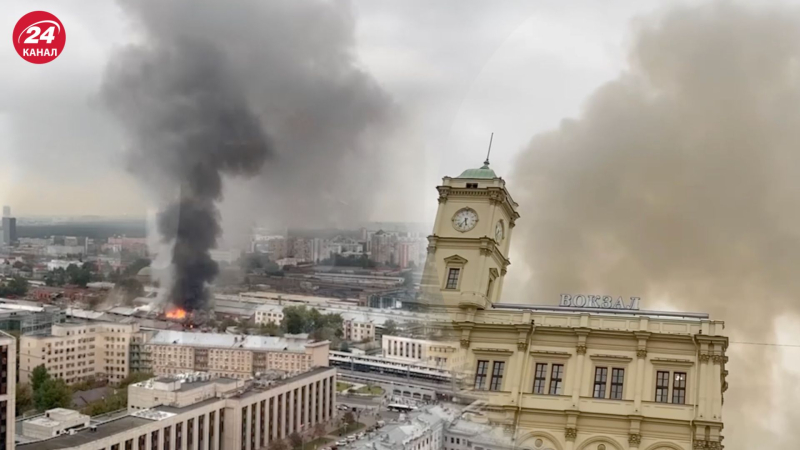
{"x": 177, "y": 313}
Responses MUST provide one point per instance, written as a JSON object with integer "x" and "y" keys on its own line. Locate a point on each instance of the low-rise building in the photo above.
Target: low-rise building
{"x": 234, "y": 356}
{"x": 23, "y": 317}
{"x": 250, "y": 417}
{"x": 357, "y": 329}
{"x": 54, "y": 422}
{"x": 269, "y": 314}
{"x": 77, "y": 351}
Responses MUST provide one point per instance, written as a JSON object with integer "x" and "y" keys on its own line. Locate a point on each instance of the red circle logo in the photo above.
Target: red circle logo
{"x": 39, "y": 37}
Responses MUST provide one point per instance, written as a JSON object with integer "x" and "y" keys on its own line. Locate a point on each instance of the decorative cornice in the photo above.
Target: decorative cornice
{"x": 611, "y": 358}
{"x": 547, "y": 354}
{"x": 641, "y": 353}
{"x": 571, "y": 434}
{"x": 704, "y": 357}
{"x": 672, "y": 362}
{"x": 634, "y": 439}
{"x": 493, "y": 351}
{"x": 580, "y": 349}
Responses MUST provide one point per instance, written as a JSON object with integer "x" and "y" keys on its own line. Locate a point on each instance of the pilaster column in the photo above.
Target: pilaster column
{"x": 716, "y": 384}
{"x": 641, "y": 356}
{"x": 570, "y": 434}
{"x": 195, "y": 435}
{"x": 274, "y": 419}
{"x": 634, "y": 440}
{"x": 313, "y": 410}
{"x": 206, "y": 429}
{"x": 281, "y": 434}
{"x": 702, "y": 385}
{"x": 580, "y": 349}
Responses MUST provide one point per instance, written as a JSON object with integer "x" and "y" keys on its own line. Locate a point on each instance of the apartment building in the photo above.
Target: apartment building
{"x": 76, "y": 351}
{"x": 8, "y": 386}
{"x": 269, "y": 314}
{"x": 358, "y": 330}
{"x": 238, "y": 416}
{"x": 234, "y": 356}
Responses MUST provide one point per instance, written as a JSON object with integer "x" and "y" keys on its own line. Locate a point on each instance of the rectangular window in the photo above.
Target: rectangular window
{"x": 679, "y": 388}
{"x": 480, "y": 375}
{"x": 497, "y": 376}
{"x": 662, "y": 387}
{"x": 600, "y": 379}
{"x": 452, "y": 278}
{"x": 556, "y": 379}
{"x": 617, "y": 381}
{"x": 539, "y": 378}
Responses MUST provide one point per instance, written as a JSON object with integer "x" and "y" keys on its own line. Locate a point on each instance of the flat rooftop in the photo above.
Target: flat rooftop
{"x": 230, "y": 341}
{"x": 86, "y": 436}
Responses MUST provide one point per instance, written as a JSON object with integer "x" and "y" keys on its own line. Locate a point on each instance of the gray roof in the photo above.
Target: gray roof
{"x": 83, "y": 398}
{"x": 219, "y": 340}
{"x": 86, "y": 436}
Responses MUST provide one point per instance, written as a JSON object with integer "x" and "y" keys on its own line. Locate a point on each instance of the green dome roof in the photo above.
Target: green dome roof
{"x": 484, "y": 172}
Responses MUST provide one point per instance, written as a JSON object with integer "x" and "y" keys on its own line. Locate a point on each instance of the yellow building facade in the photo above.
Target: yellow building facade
{"x": 583, "y": 373}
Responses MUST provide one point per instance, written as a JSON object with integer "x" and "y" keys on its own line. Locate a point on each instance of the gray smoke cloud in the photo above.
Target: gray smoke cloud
{"x": 679, "y": 182}
{"x": 215, "y": 89}
{"x": 190, "y": 124}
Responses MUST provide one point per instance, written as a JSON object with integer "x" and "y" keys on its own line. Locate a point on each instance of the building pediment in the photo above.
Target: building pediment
{"x": 455, "y": 259}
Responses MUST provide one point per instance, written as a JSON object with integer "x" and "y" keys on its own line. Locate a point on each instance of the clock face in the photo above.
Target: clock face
{"x": 498, "y": 231}
{"x": 465, "y": 219}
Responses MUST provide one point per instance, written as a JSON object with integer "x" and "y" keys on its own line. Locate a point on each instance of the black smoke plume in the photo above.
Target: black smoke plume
{"x": 208, "y": 81}
{"x": 190, "y": 125}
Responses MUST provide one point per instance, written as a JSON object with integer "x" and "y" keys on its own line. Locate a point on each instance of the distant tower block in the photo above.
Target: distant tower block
{"x": 6, "y": 211}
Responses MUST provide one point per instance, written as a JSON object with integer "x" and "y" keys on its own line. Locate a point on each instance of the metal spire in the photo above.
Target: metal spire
{"x": 486, "y": 163}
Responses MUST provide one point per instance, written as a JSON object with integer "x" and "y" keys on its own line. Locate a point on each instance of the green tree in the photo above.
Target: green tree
{"x": 390, "y": 328}
{"x": 295, "y": 439}
{"x": 294, "y": 319}
{"x": 270, "y": 329}
{"x": 24, "y": 398}
{"x": 52, "y": 394}
{"x": 16, "y": 287}
{"x": 80, "y": 276}
{"x": 133, "y": 268}
{"x": 39, "y": 376}
{"x": 135, "y": 377}
{"x": 349, "y": 418}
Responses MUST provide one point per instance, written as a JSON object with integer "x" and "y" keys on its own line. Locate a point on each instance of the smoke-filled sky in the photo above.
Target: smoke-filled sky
{"x": 651, "y": 145}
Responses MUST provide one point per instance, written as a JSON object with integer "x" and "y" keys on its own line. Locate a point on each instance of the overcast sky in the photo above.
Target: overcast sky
{"x": 458, "y": 70}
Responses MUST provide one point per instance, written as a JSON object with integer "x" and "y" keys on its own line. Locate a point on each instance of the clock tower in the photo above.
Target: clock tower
{"x": 468, "y": 250}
